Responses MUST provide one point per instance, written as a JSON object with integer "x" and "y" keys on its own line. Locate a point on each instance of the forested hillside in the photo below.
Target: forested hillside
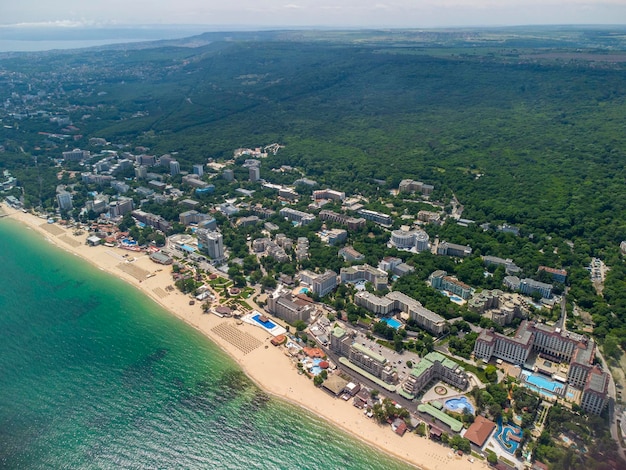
{"x": 526, "y": 130}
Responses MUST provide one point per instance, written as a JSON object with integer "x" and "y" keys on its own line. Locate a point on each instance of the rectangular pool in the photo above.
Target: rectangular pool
{"x": 392, "y": 322}
{"x": 542, "y": 384}
{"x": 265, "y": 324}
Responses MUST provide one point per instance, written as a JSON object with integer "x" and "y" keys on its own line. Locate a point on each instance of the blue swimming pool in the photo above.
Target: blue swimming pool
{"x": 543, "y": 383}
{"x": 452, "y": 297}
{"x": 392, "y": 322}
{"x": 265, "y": 324}
{"x": 188, "y": 248}
{"x": 459, "y": 405}
{"x": 304, "y": 290}
{"x": 508, "y": 436}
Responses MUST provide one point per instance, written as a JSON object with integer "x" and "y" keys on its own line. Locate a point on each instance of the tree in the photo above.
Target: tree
{"x": 611, "y": 347}
{"x": 318, "y": 380}
{"x": 491, "y": 373}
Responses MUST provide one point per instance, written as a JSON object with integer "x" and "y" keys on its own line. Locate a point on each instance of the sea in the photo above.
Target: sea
{"x": 95, "y": 375}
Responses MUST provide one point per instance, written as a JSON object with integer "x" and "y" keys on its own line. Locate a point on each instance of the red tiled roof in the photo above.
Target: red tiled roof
{"x": 480, "y": 430}
{"x": 401, "y": 429}
{"x": 313, "y": 352}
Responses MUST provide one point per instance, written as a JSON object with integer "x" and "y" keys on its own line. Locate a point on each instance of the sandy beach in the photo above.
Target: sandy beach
{"x": 249, "y": 346}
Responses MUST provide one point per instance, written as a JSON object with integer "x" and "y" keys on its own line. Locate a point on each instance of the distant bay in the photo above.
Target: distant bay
{"x": 95, "y": 375}
{"x": 12, "y": 45}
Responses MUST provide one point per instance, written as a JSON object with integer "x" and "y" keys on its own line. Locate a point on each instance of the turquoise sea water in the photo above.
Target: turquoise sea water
{"x": 95, "y": 375}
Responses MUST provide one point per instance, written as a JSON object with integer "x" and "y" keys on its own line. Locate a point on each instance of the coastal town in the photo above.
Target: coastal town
{"x": 365, "y": 299}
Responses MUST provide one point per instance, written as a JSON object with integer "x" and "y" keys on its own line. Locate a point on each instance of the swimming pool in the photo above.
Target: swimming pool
{"x": 454, "y": 298}
{"x": 543, "y": 383}
{"x": 508, "y": 436}
{"x": 304, "y": 290}
{"x": 459, "y": 405}
{"x": 265, "y": 324}
{"x": 392, "y": 322}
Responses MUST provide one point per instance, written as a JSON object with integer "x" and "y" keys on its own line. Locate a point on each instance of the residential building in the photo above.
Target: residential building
{"x": 211, "y": 243}
{"x": 452, "y": 249}
{"x": 333, "y": 236}
{"x": 283, "y": 304}
{"x": 500, "y": 307}
{"x": 303, "y": 218}
{"x": 514, "y": 350}
{"x": 120, "y": 187}
{"x": 64, "y": 199}
{"x": 254, "y": 173}
{"x": 441, "y": 281}
{"x": 141, "y": 172}
{"x": 434, "y": 367}
{"x": 556, "y": 345}
{"x": 174, "y": 168}
{"x": 321, "y": 284}
{"x": 146, "y": 160}
{"x": 158, "y": 185}
{"x": 198, "y": 169}
{"x": 288, "y": 193}
{"x": 250, "y": 220}
{"x": 329, "y": 194}
{"x": 350, "y": 254}
{"x": 194, "y": 181}
{"x": 558, "y": 275}
{"x": 510, "y": 268}
{"x": 340, "y": 341}
{"x": 429, "y": 217}
{"x": 155, "y": 221}
{"x": 122, "y": 206}
{"x": 165, "y": 160}
{"x": 228, "y": 174}
{"x": 192, "y": 217}
{"x": 76, "y": 155}
{"x": 530, "y": 286}
{"x": 352, "y": 223}
{"x": 595, "y": 393}
{"x": 411, "y": 186}
{"x": 403, "y": 239}
{"x": 189, "y": 203}
{"x": 365, "y": 273}
{"x": 408, "y": 239}
{"x": 397, "y": 301}
{"x": 377, "y": 217}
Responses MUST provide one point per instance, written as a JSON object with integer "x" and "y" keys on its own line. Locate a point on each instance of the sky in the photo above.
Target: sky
{"x": 312, "y": 13}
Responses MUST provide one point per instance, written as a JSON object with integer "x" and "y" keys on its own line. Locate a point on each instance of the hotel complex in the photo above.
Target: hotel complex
{"x": 434, "y": 366}
{"x": 556, "y": 345}
{"x": 397, "y": 301}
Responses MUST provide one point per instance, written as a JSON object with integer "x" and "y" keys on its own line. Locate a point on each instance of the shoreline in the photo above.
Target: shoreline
{"x": 266, "y": 365}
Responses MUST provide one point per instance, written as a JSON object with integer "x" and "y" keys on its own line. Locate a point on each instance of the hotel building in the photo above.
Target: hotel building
{"x": 441, "y": 281}
{"x": 366, "y": 273}
{"x": 556, "y": 345}
{"x": 435, "y": 366}
{"x": 352, "y": 223}
{"x": 397, "y": 301}
{"x": 283, "y": 304}
{"x": 321, "y": 284}
{"x": 452, "y": 249}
